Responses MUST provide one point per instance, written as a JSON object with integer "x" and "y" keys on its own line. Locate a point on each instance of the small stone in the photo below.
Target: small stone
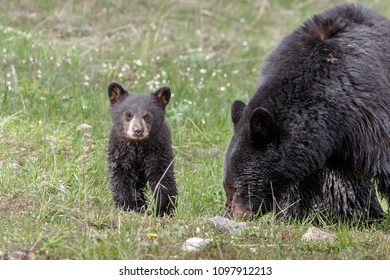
{"x": 195, "y": 244}
{"x": 314, "y": 233}
{"x": 19, "y": 255}
{"x": 227, "y": 225}
{"x": 83, "y": 126}
{"x": 253, "y": 250}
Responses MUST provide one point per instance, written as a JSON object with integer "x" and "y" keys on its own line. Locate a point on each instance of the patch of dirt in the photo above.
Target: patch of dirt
{"x": 15, "y": 204}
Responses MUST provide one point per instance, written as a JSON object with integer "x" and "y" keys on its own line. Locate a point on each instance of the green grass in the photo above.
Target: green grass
{"x": 57, "y": 59}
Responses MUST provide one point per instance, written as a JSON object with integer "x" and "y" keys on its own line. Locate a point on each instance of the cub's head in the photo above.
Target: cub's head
{"x": 248, "y": 161}
{"x": 137, "y": 116}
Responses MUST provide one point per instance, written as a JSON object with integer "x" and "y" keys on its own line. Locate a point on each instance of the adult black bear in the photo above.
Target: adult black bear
{"x": 316, "y": 133}
{"x": 139, "y": 150}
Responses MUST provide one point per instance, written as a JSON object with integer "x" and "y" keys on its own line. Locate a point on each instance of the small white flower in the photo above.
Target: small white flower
{"x": 153, "y": 25}
{"x": 203, "y": 71}
{"x": 125, "y": 67}
{"x": 138, "y": 62}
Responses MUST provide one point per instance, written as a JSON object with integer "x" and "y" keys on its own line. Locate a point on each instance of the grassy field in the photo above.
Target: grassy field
{"x": 57, "y": 59}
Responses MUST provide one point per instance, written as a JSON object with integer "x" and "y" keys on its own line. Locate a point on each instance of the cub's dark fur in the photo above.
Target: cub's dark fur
{"x": 315, "y": 136}
{"x": 140, "y": 150}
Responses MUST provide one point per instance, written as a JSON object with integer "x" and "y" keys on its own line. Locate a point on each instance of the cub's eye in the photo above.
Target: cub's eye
{"x": 146, "y": 116}
{"x": 128, "y": 115}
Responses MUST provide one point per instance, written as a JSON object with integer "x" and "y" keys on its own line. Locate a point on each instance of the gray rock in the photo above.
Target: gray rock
{"x": 314, "y": 233}
{"x": 20, "y": 255}
{"x": 227, "y": 225}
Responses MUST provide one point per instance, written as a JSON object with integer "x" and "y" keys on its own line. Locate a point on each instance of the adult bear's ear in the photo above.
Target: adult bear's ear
{"x": 162, "y": 96}
{"x": 237, "y": 108}
{"x": 262, "y": 126}
{"x": 116, "y": 92}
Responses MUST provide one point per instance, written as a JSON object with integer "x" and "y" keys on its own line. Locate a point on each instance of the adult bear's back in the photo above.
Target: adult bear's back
{"x": 349, "y": 30}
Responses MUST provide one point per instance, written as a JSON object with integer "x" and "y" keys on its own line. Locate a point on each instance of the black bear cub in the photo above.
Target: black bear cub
{"x": 140, "y": 150}
{"x": 315, "y": 136}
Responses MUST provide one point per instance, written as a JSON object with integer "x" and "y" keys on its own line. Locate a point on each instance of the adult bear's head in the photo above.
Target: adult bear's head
{"x": 248, "y": 161}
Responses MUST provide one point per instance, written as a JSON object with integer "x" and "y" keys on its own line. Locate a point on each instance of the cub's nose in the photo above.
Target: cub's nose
{"x": 138, "y": 131}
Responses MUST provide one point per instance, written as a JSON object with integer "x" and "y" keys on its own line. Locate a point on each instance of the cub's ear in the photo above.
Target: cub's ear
{"x": 162, "y": 96}
{"x": 115, "y": 92}
{"x": 262, "y": 126}
{"x": 237, "y": 108}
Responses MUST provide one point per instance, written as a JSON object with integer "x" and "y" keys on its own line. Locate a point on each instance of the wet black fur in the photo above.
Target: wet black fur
{"x": 315, "y": 136}
{"x": 133, "y": 163}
